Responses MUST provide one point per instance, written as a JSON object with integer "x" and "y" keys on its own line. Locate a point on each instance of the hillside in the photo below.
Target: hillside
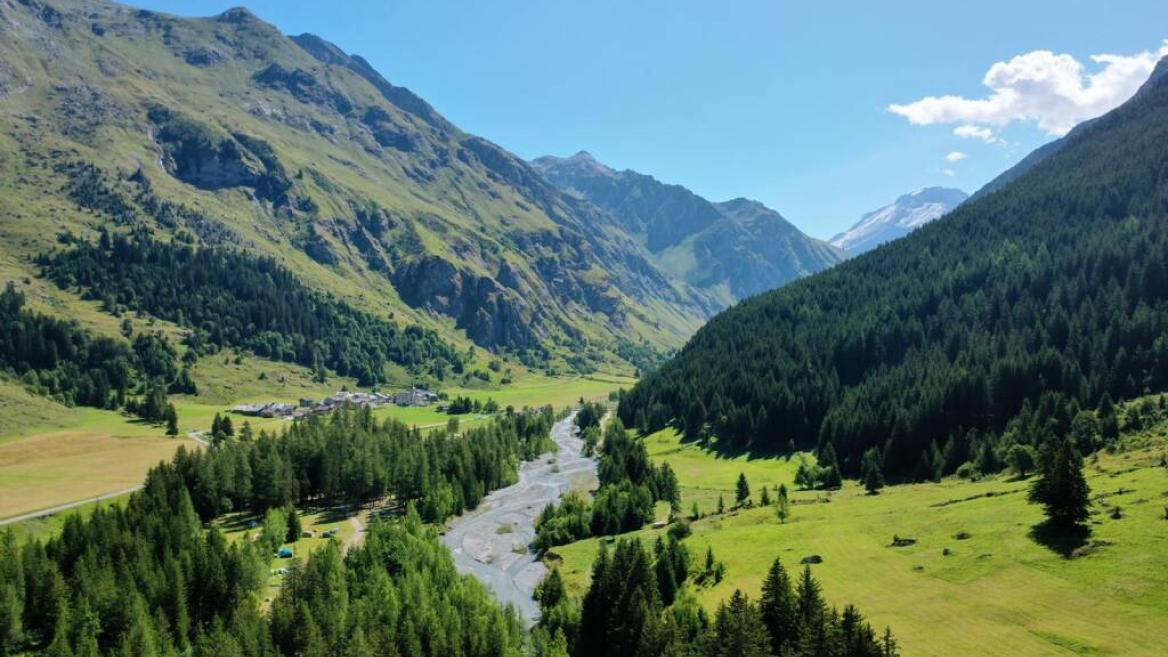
{"x": 729, "y": 251}
{"x": 222, "y": 132}
{"x": 899, "y": 218}
{"x": 994, "y": 325}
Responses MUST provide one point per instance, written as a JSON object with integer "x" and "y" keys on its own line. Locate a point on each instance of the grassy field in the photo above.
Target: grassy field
{"x": 51, "y": 454}
{"x": 999, "y": 592}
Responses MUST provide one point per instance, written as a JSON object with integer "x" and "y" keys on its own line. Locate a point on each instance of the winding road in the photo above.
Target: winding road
{"x": 491, "y": 541}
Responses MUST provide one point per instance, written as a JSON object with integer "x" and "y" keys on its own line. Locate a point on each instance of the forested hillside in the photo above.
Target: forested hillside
{"x": 229, "y": 298}
{"x": 221, "y": 130}
{"x": 1043, "y": 298}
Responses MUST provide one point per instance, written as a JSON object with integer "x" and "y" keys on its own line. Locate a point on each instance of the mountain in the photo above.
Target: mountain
{"x": 1040, "y": 154}
{"x": 898, "y": 218}
{"x": 992, "y": 327}
{"x": 224, "y": 132}
{"x": 729, "y": 250}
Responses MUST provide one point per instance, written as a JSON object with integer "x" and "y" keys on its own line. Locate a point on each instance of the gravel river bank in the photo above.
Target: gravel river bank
{"x": 491, "y": 541}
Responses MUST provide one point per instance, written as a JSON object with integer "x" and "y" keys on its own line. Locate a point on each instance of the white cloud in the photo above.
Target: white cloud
{"x": 955, "y": 156}
{"x": 948, "y": 172}
{"x": 976, "y": 132}
{"x": 1054, "y": 91}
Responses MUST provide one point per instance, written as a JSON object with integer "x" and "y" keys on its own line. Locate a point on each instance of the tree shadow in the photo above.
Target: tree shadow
{"x": 721, "y": 449}
{"x": 1061, "y": 539}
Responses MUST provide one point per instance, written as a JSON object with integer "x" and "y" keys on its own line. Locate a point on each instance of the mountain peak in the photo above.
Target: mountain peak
{"x": 902, "y": 216}
{"x": 580, "y": 164}
{"x": 238, "y": 15}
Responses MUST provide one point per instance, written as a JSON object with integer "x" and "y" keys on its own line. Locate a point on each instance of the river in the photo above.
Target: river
{"x": 500, "y": 558}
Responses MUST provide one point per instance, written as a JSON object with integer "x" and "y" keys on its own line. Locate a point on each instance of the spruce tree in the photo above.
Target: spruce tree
{"x": 873, "y": 471}
{"x": 742, "y": 491}
{"x": 171, "y": 420}
{"x": 784, "y": 504}
{"x": 739, "y": 630}
{"x": 779, "y": 609}
{"x": 1061, "y": 488}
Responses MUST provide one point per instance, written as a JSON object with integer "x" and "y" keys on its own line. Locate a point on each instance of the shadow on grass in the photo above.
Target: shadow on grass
{"x": 1061, "y": 539}
{"x": 721, "y": 449}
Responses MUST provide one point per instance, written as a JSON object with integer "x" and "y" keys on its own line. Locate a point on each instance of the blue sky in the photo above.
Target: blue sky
{"x": 787, "y": 102}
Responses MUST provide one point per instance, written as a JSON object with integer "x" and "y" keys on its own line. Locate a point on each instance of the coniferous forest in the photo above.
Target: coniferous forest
{"x": 633, "y": 608}
{"x": 229, "y": 298}
{"x": 62, "y": 360}
{"x": 149, "y": 578}
{"x": 1037, "y": 301}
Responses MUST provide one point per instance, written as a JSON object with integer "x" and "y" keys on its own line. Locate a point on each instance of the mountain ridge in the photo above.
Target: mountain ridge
{"x": 730, "y": 250}
{"x": 291, "y": 148}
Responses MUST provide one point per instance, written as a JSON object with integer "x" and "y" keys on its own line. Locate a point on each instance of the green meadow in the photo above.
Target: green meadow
{"x": 999, "y": 591}
{"x": 51, "y": 454}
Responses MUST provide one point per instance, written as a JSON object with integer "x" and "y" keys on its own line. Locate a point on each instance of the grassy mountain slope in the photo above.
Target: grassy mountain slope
{"x": 993, "y": 325}
{"x": 729, "y": 251}
{"x": 291, "y": 149}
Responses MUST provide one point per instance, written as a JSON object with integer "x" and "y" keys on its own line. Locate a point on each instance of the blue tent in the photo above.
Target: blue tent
{"x": 285, "y": 552}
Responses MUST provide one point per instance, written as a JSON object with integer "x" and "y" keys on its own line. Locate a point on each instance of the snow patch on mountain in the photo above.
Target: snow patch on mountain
{"x": 898, "y": 219}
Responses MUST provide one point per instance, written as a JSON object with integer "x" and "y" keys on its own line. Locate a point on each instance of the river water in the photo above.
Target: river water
{"x": 500, "y": 558}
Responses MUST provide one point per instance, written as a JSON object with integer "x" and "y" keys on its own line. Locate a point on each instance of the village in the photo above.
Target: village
{"x": 413, "y": 397}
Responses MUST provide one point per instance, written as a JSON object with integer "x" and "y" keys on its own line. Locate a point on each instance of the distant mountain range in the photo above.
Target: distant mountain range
{"x": 727, "y": 251}
{"x": 898, "y": 218}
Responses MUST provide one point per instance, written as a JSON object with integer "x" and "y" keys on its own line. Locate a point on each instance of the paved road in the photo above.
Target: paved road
{"x": 70, "y": 505}
{"x": 502, "y": 560}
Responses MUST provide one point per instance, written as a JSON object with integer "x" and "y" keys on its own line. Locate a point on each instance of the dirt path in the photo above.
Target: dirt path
{"x": 491, "y": 542}
{"x": 358, "y": 536}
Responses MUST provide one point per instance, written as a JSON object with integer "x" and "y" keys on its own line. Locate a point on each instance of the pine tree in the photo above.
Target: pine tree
{"x": 171, "y": 420}
{"x": 784, "y": 504}
{"x": 765, "y": 497}
{"x": 1061, "y": 488}
{"x": 742, "y": 491}
{"x": 872, "y": 471}
{"x": 810, "y": 602}
{"x": 779, "y": 609}
{"x": 739, "y": 630}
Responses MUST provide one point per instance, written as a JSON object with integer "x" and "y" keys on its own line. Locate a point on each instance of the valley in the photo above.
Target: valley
{"x": 590, "y": 412}
{"x": 995, "y": 592}
{"x": 492, "y": 542}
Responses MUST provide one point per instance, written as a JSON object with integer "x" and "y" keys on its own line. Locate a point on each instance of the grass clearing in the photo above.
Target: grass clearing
{"x": 235, "y": 527}
{"x": 998, "y": 592}
{"x": 46, "y": 470}
{"x": 52, "y": 454}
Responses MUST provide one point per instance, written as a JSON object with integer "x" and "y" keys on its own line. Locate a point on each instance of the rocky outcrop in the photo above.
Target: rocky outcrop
{"x": 304, "y": 86}
{"x": 203, "y": 156}
{"x": 490, "y": 314}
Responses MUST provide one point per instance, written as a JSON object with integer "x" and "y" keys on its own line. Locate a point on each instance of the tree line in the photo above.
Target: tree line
{"x": 1039, "y": 301}
{"x": 637, "y": 605}
{"x": 156, "y": 577}
{"x": 629, "y": 486}
{"x": 230, "y": 298}
{"x": 351, "y": 457}
{"x": 62, "y": 360}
